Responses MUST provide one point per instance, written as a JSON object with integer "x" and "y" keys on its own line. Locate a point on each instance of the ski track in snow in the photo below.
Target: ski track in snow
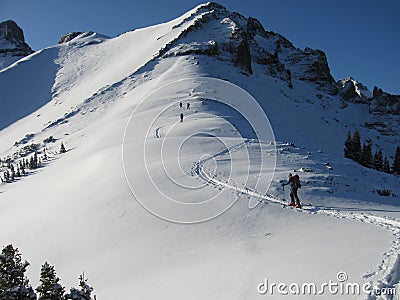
{"x": 390, "y": 264}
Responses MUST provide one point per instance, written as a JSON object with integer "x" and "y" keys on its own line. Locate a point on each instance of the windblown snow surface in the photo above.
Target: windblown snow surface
{"x": 118, "y": 115}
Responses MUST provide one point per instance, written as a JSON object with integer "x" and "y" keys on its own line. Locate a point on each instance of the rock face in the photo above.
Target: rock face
{"x": 244, "y": 42}
{"x": 354, "y": 91}
{"x": 378, "y": 101}
{"x": 12, "y": 41}
{"x": 385, "y": 103}
{"x": 69, "y": 36}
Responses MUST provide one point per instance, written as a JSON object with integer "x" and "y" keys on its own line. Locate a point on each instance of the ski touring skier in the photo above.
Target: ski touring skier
{"x": 181, "y": 117}
{"x": 294, "y": 182}
{"x": 188, "y": 105}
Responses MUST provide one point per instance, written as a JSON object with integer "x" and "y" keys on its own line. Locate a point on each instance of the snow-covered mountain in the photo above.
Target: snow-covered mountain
{"x": 12, "y": 44}
{"x": 114, "y": 103}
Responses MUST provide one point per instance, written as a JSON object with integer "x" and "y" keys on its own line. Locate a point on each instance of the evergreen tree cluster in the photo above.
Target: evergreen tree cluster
{"x": 362, "y": 153}
{"x": 14, "y": 284}
{"x": 14, "y": 168}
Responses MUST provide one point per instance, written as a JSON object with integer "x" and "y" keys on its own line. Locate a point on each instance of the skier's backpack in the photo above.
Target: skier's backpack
{"x": 296, "y": 180}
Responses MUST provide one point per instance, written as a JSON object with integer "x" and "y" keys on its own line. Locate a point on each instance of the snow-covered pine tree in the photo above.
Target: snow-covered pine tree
{"x": 12, "y": 172}
{"x": 84, "y": 293}
{"x": 35, "y": 160}
{"x": 396, "y": 162}
{"x": 49, "y": 288}
{"x": 62, "y": 148}
{"x": 31, "y": 163}
{"x": 22, "y": 166}
{"x": 44, "y": 154}
{"x": 14, "y": 285}
{"x": 7, "y": 176}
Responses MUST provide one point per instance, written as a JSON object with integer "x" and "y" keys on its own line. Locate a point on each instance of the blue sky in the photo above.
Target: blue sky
{"x": 361, "y": 38}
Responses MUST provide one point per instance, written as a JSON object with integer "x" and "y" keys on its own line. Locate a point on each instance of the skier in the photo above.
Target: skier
{"x": 180, "y": 104}
{"x": 181, "y": 117}
{"x": 188, "y": 105}
{"x": 294, "y": 182}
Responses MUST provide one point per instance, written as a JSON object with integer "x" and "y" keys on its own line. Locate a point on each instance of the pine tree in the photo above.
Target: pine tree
{"x": 22, "y": 166}
{"x": 62, "y": 148}
{"x": 7, "y": 176}
{"x": 35, "y": 160}
{"x": 396, "y": 162}
{"x": 366, "y": 154}
{"x": 84, "y": 293}
{"x": 348, "y": 146}
{"x": 356, "y": 146}
{"x": 378, "y": 160}
{"x": 49, "y": 288}
{"x": 14, "y": 285}
{"x": 386, "y": 166}
{"x": 12, "y": 172}
{"x": 31, "y": 163}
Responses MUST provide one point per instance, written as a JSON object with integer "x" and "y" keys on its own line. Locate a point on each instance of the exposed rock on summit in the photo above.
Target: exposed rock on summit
{"x": 69, "y": 36}
{"x": 12, "y": 41}
{"x": 244, "y": 42}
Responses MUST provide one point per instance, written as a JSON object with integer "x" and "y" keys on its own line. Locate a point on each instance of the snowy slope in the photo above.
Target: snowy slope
{"x": 115, "y": 105}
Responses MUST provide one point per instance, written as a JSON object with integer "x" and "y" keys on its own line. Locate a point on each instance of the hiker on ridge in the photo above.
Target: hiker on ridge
{"x": 294, "y": 182}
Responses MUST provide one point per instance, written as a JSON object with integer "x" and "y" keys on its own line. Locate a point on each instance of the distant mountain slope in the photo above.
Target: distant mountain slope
{"x": 69, "y": 73}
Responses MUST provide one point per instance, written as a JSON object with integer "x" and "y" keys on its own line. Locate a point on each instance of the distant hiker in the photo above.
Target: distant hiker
{"x": 181, "y": 117}
{"x": 188, "y": 105}
{"x": 294, "y": 182}
{"x": 180, "y": 105}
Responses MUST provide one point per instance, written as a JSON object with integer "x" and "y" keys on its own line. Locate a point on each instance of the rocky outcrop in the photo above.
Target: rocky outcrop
{"x": 69, "y": 36}
{"x": 378, "y": 101}
{"x": 12, "y": 40}
{"x": 317, "y": 69}
{"x": 353, "y": 91}
{"x": 229, "y": 36}
{"x": 385, "y": 103}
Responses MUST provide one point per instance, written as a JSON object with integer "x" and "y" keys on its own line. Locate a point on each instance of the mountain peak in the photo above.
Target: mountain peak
{"x": 229, "y": 36}
{"x": 11, "y": 31}
{"x": 12, "y": 37}
{"x": 12, "y": 43}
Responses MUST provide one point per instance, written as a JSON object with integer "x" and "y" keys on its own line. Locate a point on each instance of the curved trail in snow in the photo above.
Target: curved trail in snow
{"x": 390, "y": 265}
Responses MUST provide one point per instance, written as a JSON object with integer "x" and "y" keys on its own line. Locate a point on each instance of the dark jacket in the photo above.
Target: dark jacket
{"x": 292, "y": 184}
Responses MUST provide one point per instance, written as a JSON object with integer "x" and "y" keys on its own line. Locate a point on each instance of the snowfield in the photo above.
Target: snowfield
{"x": 151, "y": 207}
